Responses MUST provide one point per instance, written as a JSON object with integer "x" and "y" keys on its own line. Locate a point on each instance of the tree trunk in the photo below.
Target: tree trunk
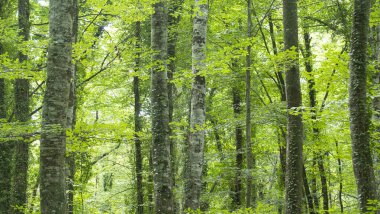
{"x": 313, "y": 106}
{"x": 309, "y": 197}
{"x": 6, "y": 148}
{"x": 162, "y": 171}
{"x": 55, "y": 107}
{"x": 238, "y": 187}
{"x": 340, "y": 177}
{"x": 173, "y": 20}
{"x": 194, "y": 163}
{"x": 294, "y": 161}
{"x": 359, "y": 117}
{"x": 71, "y": 114}
{"x": 376, "y": 99}
{"x": 20, "y": 178}
{"x": 282, "y": 136}
{"x": 138, "y": 127}
{"x": 250, "y": 196}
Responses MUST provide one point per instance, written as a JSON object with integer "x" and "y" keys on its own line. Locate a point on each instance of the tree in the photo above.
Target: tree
{"x": 250, "y": 159}
{"x": 294, "y": 162}
{"x": 195, "y": 151}
{"x": 55, "y": 107}
{"x": 238, "y": 183}
{"x": 22, "y": 115}
{"x": 359, "y": 118}
{"x": 6, "y": 147}
{"x": 71, "y": 114}
{"x": 162, "y": 171}
{"x": 138, "y": 125}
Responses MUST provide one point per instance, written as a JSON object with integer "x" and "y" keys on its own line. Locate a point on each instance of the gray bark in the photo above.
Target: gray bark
{"x": 71, "y": 114}
{"x": 194, "y": 162}
{"x": 55, "y": 108}
{"x": 20, "y": 178}
{"x": 359, "y": 117}
{"x": 173, "y": 20}
{"x": 293, "y": 183}
{"x": 162, "y": 170}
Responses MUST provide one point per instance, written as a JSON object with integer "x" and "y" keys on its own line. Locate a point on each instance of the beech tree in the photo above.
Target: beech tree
{"x": 22, "y": 115}
{"x": 6, "y": 146}
{"x": 162, "y": 174}
{"x": 130, "y": 126}
{"x": 195, "y": 150}
{"x": 55, "y": 108}
{"x": 359, "y": 118}
{"x": 294, "y": 162}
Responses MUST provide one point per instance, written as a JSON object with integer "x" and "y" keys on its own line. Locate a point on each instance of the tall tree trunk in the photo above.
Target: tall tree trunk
{"x": 340, "y": 177}
{"x": 316, "y": 132}
{"x": 6, "y": 148}
{"x": 194, "y": 163}
{"x": 250, "y": 196}
{"x": 282, "y": 135}
{"x": 294, "y": 161}
{"x": 138, "y": 127}
{"x": 376, "y": 99}
{"x": 162, "y": 171}
{"x": 20, "y": 178}
{"x": 150, "y": 185}
{"x": 359, "y": 117}
{"x": 71, "y": 114}
{"x": 238, "y": 187}
{"x": 308, "y": 195}
{"x": 55, "y": 107}
{"x": 173, "y": 19}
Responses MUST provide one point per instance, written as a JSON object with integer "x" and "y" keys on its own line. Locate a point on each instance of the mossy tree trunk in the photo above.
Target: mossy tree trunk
{"x": 6, "y": 147}
{"x": 20, "y": 178}
{"x": 71, "y": 114}
{"x": 55, "y": 108}
{"x": 359, "y": 117}
{"x": 195, "y": 151}
{"x": 293, "y": 183}
{"x": 162, "y": 170}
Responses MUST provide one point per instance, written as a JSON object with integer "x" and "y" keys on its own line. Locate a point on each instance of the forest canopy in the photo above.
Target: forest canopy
{"x": 189, "y": 106}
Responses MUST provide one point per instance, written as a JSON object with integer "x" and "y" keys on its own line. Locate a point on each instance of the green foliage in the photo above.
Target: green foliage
{"x": 103, "y": 138}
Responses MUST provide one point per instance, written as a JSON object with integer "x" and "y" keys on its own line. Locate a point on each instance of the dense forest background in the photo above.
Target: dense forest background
{"x": 168, "y": 106}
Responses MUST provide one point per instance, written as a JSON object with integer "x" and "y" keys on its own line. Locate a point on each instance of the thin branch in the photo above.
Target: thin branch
{"x": 100, "y": 157}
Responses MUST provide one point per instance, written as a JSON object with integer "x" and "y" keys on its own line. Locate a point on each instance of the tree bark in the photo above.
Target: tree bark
{"x": 55, "y": 107}
{"x": 294, "y": 161}
{"x": 173, "y": 20}
{"x": 20, "y": 178}
{"x": 6, "y": 147}
{"x": 309, "y": 197}
{"x": 316, "y": 131}
{"x": 359, "y": 117}
{"x": 282, "y": 138}
{"x": 376, "y": 99}
{"x": 194, "y": 162}
{"x": 71, "y": 114}
{"x": 340, "y": 177}
{"x": 138, "y": 126}
{"x": 238, "y": 186}
{"x": 162, "y": 170}
{"x": 250, "y": 196}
